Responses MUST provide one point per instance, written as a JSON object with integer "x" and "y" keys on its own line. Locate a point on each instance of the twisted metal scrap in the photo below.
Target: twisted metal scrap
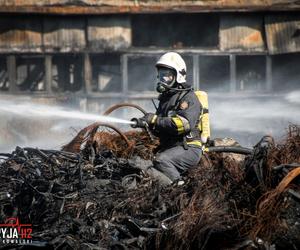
{"x": 122, "y": 144}
{"x": 108, "y": 203}
{"x": 269, "y": 207}
{"x": 288, "y": 151}
{"x": 89, "y": 137}
{"x": 87, "y": 134}
{"x": 140, "y": 144}
{"x": 75, "y": 144}
{"x": 204, "y": 207}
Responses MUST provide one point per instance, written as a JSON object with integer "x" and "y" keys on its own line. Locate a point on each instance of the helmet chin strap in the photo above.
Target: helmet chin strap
{"x": 162, "y": 87}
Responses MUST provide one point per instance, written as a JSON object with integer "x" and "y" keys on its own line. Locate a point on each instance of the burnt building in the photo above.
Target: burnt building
{"x": 87, "y": 50}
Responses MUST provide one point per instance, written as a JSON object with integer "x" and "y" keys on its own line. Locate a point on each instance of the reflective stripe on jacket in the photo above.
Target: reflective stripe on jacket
{"x": 178, "y": 114}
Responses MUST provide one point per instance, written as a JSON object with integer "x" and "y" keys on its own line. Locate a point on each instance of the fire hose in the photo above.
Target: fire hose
{"x": 135, "y": 120}
{"x": 143, "y": 124}
{"x": 122, "y": 105}
{"x": 222, "y": 149}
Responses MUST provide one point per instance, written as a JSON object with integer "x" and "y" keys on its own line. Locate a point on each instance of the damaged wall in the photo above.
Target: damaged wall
{"x": 242, "y": 33}
{"x": 283, "y": 33}
{"x": 247, "y": 33}
{"x": 103, "y": 50}
{"x": 108, "y": 32}
{"x": 20, "y": 34}
{"x": 63, "y": 34}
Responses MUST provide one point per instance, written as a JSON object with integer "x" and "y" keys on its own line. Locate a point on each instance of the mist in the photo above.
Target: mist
{"x": 30, "y": 124}
{"x": 248, "y": 118}
{"x": 244, "y": 115}
{"x": 245, "y": 118}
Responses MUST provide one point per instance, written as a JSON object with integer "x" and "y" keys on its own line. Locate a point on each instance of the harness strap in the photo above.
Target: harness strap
{"x": 180, "y": 97}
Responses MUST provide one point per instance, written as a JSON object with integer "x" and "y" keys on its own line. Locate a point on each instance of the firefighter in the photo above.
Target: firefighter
{"x": 176, "y": 120}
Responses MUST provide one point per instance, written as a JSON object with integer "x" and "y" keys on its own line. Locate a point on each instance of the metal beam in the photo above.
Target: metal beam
{"x": 145, "y": 51}
{"x": 87, "y": 73}
{"x": 196, "y": 69}
{"x": 132, "y": 51}
{"x": 48, "y": 74}
{"x": 232, "y": 73}
{"x": 124, "y": 72}
{"x": 269, "y": 75}
{"x": 150, "y": 7}
{"x": 12, "y": 73}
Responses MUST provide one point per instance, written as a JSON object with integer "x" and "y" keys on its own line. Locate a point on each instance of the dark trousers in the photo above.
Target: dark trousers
{"x": 172, "y": 162}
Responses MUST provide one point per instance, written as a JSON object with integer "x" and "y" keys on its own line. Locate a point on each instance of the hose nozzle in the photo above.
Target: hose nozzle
{"x": 138, "y": 123}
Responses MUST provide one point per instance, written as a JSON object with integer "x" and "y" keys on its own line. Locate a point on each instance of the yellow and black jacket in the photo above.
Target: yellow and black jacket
{"x": 178, "y": 119}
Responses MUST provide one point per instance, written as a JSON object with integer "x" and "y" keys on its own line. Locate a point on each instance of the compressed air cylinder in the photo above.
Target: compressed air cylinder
{"x": 204, "y": 125}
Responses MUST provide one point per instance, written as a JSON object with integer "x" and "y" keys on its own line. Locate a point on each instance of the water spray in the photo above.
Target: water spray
{"x": 38, "y": 110}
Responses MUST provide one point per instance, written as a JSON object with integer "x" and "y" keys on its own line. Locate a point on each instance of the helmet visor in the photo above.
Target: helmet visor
{"x": 166, "y": 76}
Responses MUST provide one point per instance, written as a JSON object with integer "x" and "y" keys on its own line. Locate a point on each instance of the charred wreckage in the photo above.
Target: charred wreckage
{"x": 92, "y": 195}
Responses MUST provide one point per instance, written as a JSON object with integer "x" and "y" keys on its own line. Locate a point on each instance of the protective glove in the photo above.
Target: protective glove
{"x": 150, "y": 118}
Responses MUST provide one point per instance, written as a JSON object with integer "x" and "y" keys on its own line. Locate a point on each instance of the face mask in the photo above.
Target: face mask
{"x": 166, "y": 78}
{"x": 160, "y": 88}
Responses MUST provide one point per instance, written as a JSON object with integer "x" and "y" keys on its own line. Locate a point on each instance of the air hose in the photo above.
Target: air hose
{"x": 230, "y": 149}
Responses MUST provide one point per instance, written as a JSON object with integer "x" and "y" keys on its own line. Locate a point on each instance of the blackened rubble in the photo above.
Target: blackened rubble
{"x": 91, "y": 195}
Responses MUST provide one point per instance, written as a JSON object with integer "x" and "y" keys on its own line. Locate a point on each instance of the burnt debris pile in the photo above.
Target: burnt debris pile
{"x": 94, "y": 195}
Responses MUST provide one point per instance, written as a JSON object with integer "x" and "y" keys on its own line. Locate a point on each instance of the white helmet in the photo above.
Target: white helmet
{"x": 174, "y": 61}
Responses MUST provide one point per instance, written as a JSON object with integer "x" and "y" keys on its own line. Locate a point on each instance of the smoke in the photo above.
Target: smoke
{"x": 244, "y": 116}
{"x": 293, "y": 97}
{"x": 248, "y": 118}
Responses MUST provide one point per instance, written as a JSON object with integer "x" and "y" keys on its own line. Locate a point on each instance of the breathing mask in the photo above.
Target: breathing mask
{"x": 166, "y": 79}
